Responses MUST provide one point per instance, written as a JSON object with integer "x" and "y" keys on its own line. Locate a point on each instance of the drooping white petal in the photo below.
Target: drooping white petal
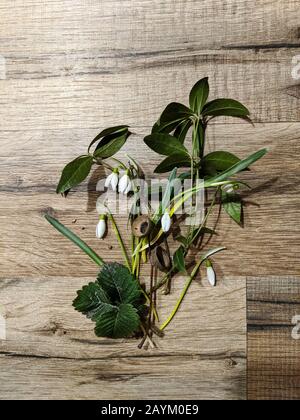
{"x": 108, "y": 180}
{"x": 101, "y": 229}
{"x": 128, "y": 189}
{"x": 114, "y": 181}
{"x": 166, "y": 222}
{"x": 123, "y": 184}
{"x": 211, "y": 276}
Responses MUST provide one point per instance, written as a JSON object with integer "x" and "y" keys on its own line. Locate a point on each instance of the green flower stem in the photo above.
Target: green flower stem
{"x": 182, "y": 296}
{"x": 118, "y": 236}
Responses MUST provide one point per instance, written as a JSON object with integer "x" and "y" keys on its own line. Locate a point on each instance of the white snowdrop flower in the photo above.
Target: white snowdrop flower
{"x": 101, "y": 227}
{"x": 112, "y": 180}
{"x": 166, "y": 222}
{"x": 129, "y": 188}
{"x": 211, "y": 275}
{"x": 228, "y": 188}
{"x": 124, "y": 183}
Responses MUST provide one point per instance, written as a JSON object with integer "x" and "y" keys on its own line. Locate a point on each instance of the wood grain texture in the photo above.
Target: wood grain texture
{"x": 70, "y": 68}
{"x": 202, "y": 356}
{"x": 273, "y": 353}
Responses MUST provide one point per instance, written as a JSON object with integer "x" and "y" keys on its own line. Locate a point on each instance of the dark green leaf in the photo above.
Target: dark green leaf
{"x": 182, "y": 130}
{"x": 183, "y": 240}
{"x": 178, "y": 160}
{"x": 120, "y": 129}
{"x": 75, "y": 239}
{"x": 165, "y": 144}
{"x": 179, "y": 260}
{"x": 111, "y": 144}
{"x": 232, "y": 204}
{"x": 175, "y": 112}
{"x": 199, "y": 95}
{"x": 218, "y": 162}
{"x": 167, "y": 127}
{"x": 226, "y": 107}
{"x": 113, "y": 302}
{"x": 75, "y": 173}
{"x": 240, "y": 166}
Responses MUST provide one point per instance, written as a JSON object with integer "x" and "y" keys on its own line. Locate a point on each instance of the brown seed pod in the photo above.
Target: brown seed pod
{"x": 161, "y": 259}
{"x": 141, "y": 226}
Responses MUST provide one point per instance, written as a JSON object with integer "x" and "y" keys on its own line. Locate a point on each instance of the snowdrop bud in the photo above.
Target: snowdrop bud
{"x": 101, "y": 227}
{"x": 228, "y": 188}
{"x": 211, "y": 275}
{"x": 112, "y": 180}
{"x": 166, "y": 222}
{"x": 124, "y": 183}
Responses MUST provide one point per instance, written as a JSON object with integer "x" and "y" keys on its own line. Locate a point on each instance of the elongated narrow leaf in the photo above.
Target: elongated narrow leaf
{"x": 178, "y": 160}
{"x": 120, "y": 129}
{"x": 111, "y": 144}
{"x": 182, "y": 130}
{"x": 179, "y": 260}
{"x": 232, "y": 204}
{"x": 75, "y": 239}
{"x": 167, "y": 128}
{"x": 74, "y": 173}
{"x": 240, "y": 166}
{"x": 165, "y": 144}
{"x": 218, "y": 162}
{"x": 174, "y": 112}
{"x": 199, "y": 95}
{"x": 226, "y": 107}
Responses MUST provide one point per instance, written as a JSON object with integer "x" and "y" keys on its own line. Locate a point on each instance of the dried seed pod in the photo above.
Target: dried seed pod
{"x": 141, "y": 226}
{"x": 161, "y": 259}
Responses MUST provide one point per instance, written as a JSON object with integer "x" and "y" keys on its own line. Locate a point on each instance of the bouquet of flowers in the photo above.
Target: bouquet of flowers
{"x": 120, "y": 302}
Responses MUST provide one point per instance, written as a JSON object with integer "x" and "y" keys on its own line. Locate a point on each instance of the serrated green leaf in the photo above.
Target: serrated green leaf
{"x": 199, "y": 95}
{"x": 179, "y": 260}
{"x": 108, "y": 131}
{"x": 178, "y": 160}
{"x": 232, "y": 204}
{"x": 165, "y": 144}
{"x": 74, "y": 173}
{"x": 225, "y": 107}
{"x": 111, "y": 144}
{"x": 119, "y": 323}
{"x": 114, "y": 302}
{"x": 218, "y": 162}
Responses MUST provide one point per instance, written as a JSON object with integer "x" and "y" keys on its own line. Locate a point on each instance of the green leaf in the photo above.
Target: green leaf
{"x": 175, "y": 112}
{"x": 232, "y": 204}
{"x": 240, "y": 166}
{"x": 75, "y": 173}
{"x": 199, "y": 95}
{"x": 218, "y": 162}
{"x": 179, "y": 260}
{"x": 226, "y": 107}
{"x": 111, "y": 144}
{"x": 108, "y": 131}
{"x": 165, "y": 144}
{"x": 183, "y": 240}
{"x": 177, "y": 160}
{"x": 182, "y": 130}
{"x": 167, "y": 127}
{"x": 75, "y": 239}
{"x": 113, "y": 302}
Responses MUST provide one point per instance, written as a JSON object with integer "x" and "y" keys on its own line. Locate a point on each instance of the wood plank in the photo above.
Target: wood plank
{"x": 273, "y": 353}
{"x": 136, "y": 94}
{"x": 27, "y": 192}
{"x": 142, "y": 26}
{"x": 203, "y": 354}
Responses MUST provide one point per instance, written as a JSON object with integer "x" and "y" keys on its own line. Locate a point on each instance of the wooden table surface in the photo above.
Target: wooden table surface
{"x": 69, "y": 68}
